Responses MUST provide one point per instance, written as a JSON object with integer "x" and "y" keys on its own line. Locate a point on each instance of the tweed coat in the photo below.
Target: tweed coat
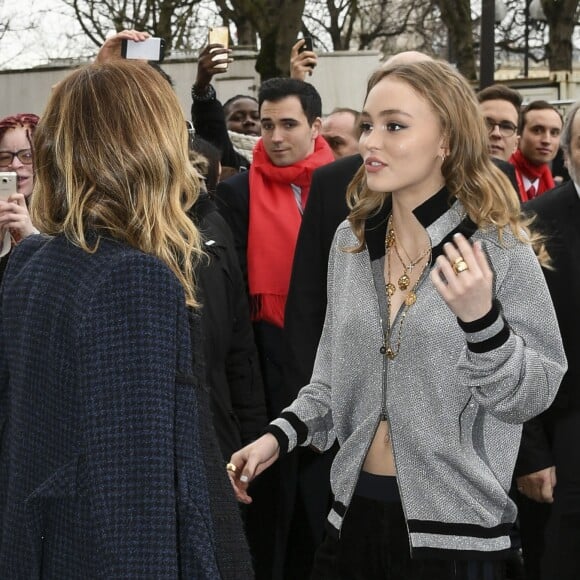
{"x": 101, "y": 465}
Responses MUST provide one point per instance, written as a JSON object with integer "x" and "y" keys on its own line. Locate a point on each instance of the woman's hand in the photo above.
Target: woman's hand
{"x": 15, "y": 217}
{"x": 111, "y": 49}
{"x": 464, "y": 279}
{"x": 249, "y": 462}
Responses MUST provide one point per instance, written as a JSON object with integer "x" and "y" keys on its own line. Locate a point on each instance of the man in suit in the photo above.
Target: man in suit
{"x": 539, "y": 129}
{"x": 263, "y": 207}
{"x": 548, "y": 467}
{"x": 500, "y": 107}
{"x": 340, "y": 129}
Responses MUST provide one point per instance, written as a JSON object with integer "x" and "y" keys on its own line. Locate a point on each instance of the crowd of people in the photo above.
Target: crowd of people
{"x": 361, "y": 325}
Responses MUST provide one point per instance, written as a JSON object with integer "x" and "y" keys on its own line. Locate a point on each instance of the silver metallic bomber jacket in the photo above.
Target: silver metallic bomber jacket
{"x": 455, "y": 396}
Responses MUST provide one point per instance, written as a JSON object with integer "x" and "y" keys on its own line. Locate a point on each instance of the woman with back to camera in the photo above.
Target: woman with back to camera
{"x": 432, "y": 353}
{"x": 16, "y": 156}
{"x": 102, "y": 470}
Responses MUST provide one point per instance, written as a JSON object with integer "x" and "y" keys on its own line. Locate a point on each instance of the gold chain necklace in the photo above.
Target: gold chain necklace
{"x": 404, "y": 280}
{"x": 390, "y": 242}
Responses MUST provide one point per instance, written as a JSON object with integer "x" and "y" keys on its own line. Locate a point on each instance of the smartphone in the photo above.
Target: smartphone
{"x": 149, "y": 49}
{"x": 7, "y": 184}
{"x": 307, "y": 45}
{"x": 219, "y": 35}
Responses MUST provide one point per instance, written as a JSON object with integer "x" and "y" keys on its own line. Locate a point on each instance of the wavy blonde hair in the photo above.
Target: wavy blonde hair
{"x": 111, "y": 157}
{"x": 486, "y": 193}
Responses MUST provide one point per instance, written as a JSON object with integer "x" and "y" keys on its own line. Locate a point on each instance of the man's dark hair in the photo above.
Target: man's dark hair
{"x": 279, "y": 88}
{"x": 500, "y": 93}
{"x": 536, "y": 106}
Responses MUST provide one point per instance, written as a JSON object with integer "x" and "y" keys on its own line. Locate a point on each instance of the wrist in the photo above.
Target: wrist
{"x": 203, "y": 92}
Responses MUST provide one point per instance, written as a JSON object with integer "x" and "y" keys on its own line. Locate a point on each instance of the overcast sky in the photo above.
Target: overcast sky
{"x": 39, "y": 31}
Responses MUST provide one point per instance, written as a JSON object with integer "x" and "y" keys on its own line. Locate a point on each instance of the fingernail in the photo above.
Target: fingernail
{"x": 244, "y": 478}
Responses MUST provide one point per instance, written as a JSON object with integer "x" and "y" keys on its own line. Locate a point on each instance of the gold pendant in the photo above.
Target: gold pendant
{"x": 390, "y": 288}
{"x": 404, "y": 282}
{"x": 410, "y": 299}
{"x": 390, "y": 354}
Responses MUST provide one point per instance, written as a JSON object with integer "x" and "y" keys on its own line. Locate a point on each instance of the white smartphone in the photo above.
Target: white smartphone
{"x": 219, "y": 35}
{"x": 148, "y": 49}
{"x": 7, "y": 184}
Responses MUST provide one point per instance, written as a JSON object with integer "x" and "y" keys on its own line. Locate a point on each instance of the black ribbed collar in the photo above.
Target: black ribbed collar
{"x": 427, "y": 213}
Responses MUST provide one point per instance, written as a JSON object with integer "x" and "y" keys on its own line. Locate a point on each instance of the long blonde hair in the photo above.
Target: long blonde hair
{"x": 111, "y": 157}
{"x": 486, "y": 193}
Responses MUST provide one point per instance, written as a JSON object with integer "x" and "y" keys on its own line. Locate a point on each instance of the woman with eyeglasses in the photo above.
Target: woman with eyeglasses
{"x": 16, "y": 156}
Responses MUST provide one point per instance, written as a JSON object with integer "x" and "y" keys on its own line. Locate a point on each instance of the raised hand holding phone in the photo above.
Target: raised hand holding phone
{"x": 302, "y": 59}
{"x": 148, "y": 49}
{"x": 219, "y": 35}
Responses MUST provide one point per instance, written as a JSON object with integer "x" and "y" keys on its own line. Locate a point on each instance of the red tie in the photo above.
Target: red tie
{"x": 531, "y": 192}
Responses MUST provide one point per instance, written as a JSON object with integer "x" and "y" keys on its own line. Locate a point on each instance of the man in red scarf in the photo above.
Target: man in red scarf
{"x": 263, "y": 207}
{"x": 540, "y": 127}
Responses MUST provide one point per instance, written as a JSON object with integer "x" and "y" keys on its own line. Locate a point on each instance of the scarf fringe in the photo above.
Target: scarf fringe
{"x": 269, "y": 308}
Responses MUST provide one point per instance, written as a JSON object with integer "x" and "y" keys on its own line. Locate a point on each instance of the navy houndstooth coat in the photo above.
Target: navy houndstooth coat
{"x": 101, "y": 468}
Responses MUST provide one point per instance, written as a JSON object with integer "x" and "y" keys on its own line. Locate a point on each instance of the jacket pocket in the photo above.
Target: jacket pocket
{"x": 50, "y": 504}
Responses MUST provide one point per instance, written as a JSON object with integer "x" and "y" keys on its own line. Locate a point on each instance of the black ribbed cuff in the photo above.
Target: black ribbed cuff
{"x": 280, "y": 437}
{"x": 483, "y": 322}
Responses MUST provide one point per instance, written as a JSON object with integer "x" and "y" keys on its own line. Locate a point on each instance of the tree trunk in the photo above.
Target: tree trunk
{"x": 560, "y": 17}
{"x": 456, "y": 14}
{"x": 278, "y": 23}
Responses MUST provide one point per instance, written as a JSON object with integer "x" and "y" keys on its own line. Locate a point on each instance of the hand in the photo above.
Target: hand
{"x": 301, "y": 63}
{"x": 468, "y": 293}
{"x": 539, "y": 485}
{"x": 249, "y": 462}
{"x": 111, "y": 49}
{"x": 206, "y": 66}
{"x": 14, "y": 215}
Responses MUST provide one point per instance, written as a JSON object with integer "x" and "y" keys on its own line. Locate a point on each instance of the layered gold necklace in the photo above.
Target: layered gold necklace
{"x": 403, "y": 283}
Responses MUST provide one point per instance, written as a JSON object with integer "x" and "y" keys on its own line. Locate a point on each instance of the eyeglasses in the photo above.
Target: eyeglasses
{"x": 506, "y": 128}
{"x": 24, "y": 156}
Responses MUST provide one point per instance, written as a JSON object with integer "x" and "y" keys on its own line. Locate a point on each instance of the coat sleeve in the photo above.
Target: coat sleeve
{"x": 535, "y": 449}
{"x": 210, "y": 124}
{"x": 242, "y": 363}
{"x": 306, "y": 303}
{"x": 127, "y": 359}
{"x": 514, "y": 360}
{"x": 308, "y": 420}
{"x": 232, "y": 200}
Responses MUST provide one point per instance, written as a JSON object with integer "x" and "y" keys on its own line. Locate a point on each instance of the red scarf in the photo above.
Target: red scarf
{"x": 274, "y": 224}
{"x": 532, "y": 172}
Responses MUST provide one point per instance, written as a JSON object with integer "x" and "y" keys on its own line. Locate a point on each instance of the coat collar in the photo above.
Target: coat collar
{"x": 442, "y": 215}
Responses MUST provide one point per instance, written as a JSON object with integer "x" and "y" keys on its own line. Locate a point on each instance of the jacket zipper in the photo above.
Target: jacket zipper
{"x": 364, "y": 455}
{"x": 385, "y": 415}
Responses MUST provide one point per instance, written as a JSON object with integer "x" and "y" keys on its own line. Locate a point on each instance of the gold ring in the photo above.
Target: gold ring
{"x": 459, "y": 265}
{"x": 231, "y": 467}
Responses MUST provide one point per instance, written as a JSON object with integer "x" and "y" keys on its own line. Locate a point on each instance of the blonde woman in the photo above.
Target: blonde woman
{"x": 102, "y": 466}
{"x": 440, "y": 339}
